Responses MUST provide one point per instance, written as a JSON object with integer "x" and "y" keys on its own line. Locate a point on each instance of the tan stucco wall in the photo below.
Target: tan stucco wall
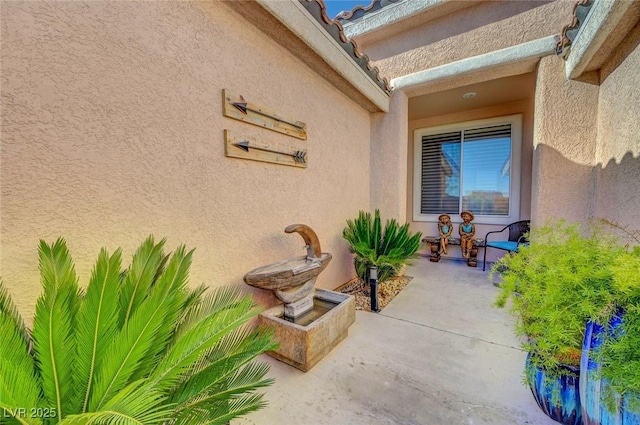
{"x": 112, "y": 129}
{"x": 481, "y": 28}
{"x": 565, "y": 128}
{"x": 389, "y": 159}
{"x": 618, "y": 141}
{"x": 523, "y": 107}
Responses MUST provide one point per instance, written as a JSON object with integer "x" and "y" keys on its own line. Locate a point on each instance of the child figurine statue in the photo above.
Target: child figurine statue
{"x": 467, "y": 232}
{"x": 444, "y": 228}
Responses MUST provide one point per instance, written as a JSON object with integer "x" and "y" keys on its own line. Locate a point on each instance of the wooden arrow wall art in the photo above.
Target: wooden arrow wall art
{"x": 246, "y": 148}
{"x": 238, "y": 108}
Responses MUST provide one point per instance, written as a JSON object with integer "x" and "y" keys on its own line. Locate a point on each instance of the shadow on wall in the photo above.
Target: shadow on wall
{"x": 561, "y": 188}
{"x": 618, "y": 190}
{"x": 565, "y": 189}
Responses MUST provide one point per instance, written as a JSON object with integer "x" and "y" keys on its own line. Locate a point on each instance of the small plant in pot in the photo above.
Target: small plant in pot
{"x": 555, "y": 285}
{"x": 388, "y": 248}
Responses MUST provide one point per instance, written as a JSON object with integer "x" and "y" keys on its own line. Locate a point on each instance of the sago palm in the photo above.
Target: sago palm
{"x": 137, "y": 347}
{"x": 387, "y": 248}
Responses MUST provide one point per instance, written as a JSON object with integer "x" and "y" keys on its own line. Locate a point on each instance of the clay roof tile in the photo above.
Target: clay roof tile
{"x": 360, "y": 11}
{"x": 334, "y": 28}
{"x": 581, "y": 10}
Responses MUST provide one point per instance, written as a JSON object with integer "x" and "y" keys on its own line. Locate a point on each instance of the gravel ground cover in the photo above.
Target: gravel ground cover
{"x": 387, "y": 291}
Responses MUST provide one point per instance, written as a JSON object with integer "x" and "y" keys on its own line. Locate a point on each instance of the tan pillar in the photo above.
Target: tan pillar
{"x": 564, "y": 140}
{"x": 389, "y": 144}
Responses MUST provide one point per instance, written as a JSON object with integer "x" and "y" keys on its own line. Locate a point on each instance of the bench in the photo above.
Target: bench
{"x": 434, "y": 246}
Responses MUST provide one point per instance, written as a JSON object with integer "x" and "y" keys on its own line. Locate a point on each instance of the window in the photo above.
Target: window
{"x": 471, "y": 166}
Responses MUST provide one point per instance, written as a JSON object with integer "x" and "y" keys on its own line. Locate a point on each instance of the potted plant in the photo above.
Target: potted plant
{"x": 389, "y": 248}
{"x": 555, "y": 285}
{"x": 137, "y": 346}
{"x": 610, "y": 365}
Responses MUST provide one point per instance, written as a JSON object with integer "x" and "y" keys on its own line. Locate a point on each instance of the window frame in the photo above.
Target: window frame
{"x": 515, "y": 172}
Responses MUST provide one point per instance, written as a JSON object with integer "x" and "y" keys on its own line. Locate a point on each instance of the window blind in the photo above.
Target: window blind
{"x": 467, "y": 169}
{"x": 441, "y": 173}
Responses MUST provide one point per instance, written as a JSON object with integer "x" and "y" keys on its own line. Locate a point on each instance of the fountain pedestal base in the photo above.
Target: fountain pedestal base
{"x": 297, "y": 309}
{"x": 303, "y": 346}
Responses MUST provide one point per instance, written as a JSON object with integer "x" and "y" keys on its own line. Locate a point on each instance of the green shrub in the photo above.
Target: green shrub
{"x": 557, "y": 283}
{"x": 387, "y": 248}
{"x": 136, "y": 347}
{"x": 566, "y": 277}
{"x": 620, "y": 357}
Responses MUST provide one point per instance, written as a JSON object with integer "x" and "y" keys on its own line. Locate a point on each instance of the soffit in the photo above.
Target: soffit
{"x": 488, "y": 93}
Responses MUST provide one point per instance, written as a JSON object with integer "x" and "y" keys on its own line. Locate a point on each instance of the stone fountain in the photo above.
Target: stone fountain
{"x": 311, "y": 321}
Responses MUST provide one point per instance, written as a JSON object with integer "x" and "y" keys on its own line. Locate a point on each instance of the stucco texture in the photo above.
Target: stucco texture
{"x": 389, "y": 159}
{"x": 112, "y": 129}
{"x": 618, "y": 141}
{"x": 480, "y": 28}
{"x": 587, "y": 148}
{"x": 565, "y": 131}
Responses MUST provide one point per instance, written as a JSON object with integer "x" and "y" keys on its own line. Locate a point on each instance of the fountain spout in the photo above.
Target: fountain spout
{"x": 310, "y": 239}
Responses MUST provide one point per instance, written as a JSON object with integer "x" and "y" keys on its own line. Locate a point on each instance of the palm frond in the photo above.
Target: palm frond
{"x": 9, "y": 309}
{"x": 93, "y": 364}
{"x": 197, "y": 340}
{"x": 244, "y": 380}
{"x": 136, "y": 404}
{"x": 97, "y": 324}
{"x": 54, "y": 324}
{"x": 192, "y": 300}
{"x": 193, "y": 297}
{"x": 376, "y": 232}
{"x": 228, "y": 356}
{"x": 171, "y": 282}
{"x": 129, "y": 348}
{"x": 12, "y": 415}
{"x": 176, "y": 273}
{"x": 18, "y": 384}
{"x": 214, "y": 301}
{"x": 147, "y": 263}
{"x": 390, "y": 235}
{"x": 221, "y": 413}
{"x": 135, "y": 348}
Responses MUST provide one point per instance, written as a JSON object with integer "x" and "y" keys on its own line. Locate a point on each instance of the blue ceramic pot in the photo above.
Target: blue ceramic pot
{"x": 558, "y": 398}
{"x": 593, "y": 386}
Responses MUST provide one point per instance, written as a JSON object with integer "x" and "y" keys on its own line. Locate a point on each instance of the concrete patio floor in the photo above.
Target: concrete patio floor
{"x": 438, "y": 354}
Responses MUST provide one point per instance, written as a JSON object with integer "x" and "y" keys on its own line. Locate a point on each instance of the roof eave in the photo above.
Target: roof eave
{"x": 294, "y": 16}
{"x": 509, "y": 61}
{"x": 594, "y": 41}
{"x": 394, "y": 13}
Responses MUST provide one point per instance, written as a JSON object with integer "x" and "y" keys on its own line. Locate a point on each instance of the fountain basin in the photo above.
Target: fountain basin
{"x": 287, "y": 274}
{"x": 303, "y": 345}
